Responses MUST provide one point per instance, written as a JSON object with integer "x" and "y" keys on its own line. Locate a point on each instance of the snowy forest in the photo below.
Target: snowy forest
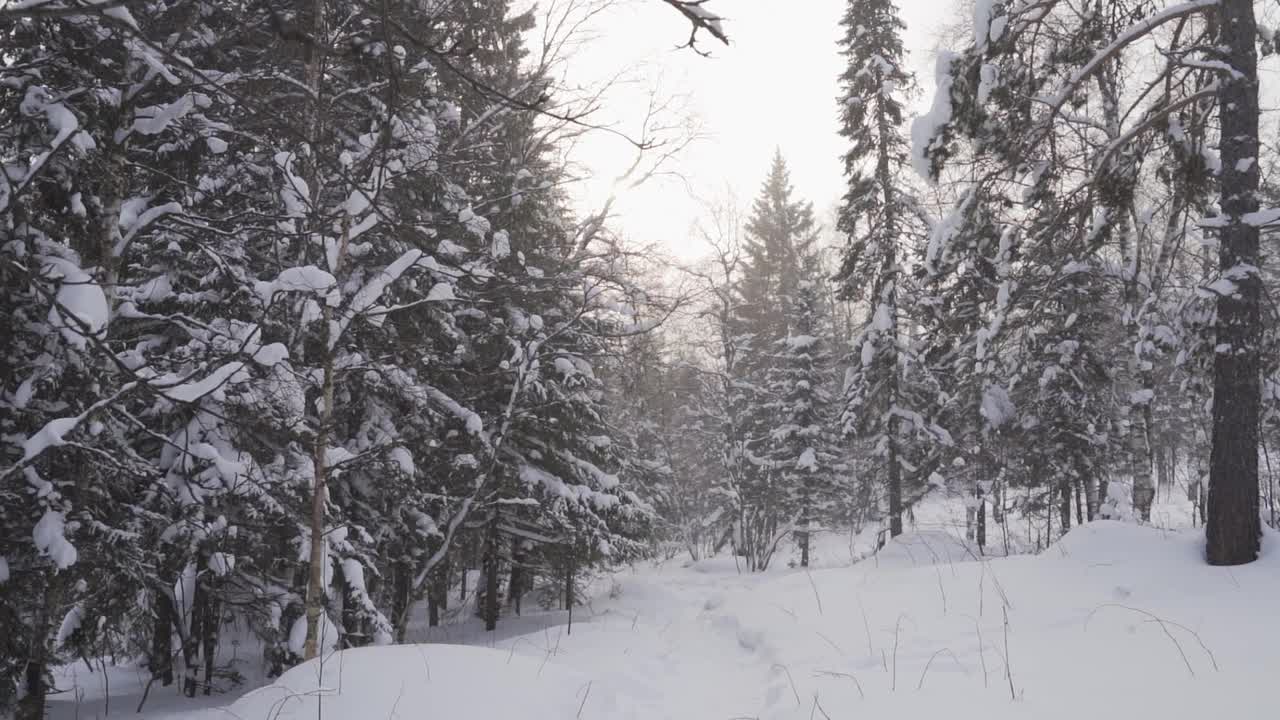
{"x": 310, "y": 349}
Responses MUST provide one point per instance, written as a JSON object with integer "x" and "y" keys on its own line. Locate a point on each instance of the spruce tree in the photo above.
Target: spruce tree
{"x": 879, "y": 215}
{"x": 780, "y": 232}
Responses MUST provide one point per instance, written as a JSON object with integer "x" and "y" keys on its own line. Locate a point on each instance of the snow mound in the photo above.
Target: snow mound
{"x": 445, "y": 681}
{"x": 923, "y": 549}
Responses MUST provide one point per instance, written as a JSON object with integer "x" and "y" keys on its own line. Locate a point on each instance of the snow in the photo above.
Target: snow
{"x": 403, "y": 460}
{"x": 222, "y": 563}
{"x": 193, "y": 390}
{"x": 1265, "y": 216}
{"x": 883, "y": 318}
{"x": 926, "y": 128}
{"x": 988, "y": 80}
{"x": 705, "y": 16}
{"x": 81, "y": 299}
{"x": 808, "y": 460}
{"x": 327, "y": 639}
{"x": 801, "y": 342}
{"x": 1222, "y": 286}
{"x": 51, "y": 435}
{"x": 133, "y": 224}
{"x": 50, "y": 539}
{"x": 157, "y": 118}
{"x": 982, "y": 12}
{"x": 997, "y": 407}
{"x": 442, "y": 681}
{"x": 501, "y": 245}
{"x": 305, "y": 279}
{"x": 440, "y": 292}
{"x": 1115, "y": 621}
{"x": 271, "y": 354}
{"x": 71, "y": 622}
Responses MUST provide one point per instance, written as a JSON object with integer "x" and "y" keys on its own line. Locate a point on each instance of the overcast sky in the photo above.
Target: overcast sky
{"x": 774, "y": 86}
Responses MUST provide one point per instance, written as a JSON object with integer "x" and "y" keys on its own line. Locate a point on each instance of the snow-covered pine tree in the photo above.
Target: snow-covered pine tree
{"x": 100, "y": 171}
{"x": 777, "y": 231}
{"x": 1072, "y": 167}
{"x": 803, "y": 446}
{"x": 881, "y": 219}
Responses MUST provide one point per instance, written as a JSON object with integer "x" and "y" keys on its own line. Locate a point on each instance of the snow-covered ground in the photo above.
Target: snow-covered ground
{"x": 1113, "y": 621}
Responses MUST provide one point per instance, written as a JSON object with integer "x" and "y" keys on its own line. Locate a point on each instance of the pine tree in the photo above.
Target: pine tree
{"x": 880, "y": 218}
{"x": 779, "y": 233}
{"x": 1076, "y": 161}
{"x": 803, "y": 445}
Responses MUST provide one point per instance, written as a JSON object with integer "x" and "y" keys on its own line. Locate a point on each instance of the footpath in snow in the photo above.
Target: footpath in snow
{"x": 1115, "y": 621}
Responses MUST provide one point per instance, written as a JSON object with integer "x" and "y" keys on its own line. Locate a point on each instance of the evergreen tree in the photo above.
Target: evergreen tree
{"x": 880, "y": 218}
{"x": 770, "y": 368}
{"x": 803, "y": 445}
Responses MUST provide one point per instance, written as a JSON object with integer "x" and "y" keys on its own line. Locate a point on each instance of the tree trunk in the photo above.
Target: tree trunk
{"x": 442, "y": 585}
{"x": 1064, "y": 504}
{"x": 195, "y": 634}
{"x": 317, "y": 557}
{"x": 1232, "y": 526}
{"x": 161, "y": 661}
{"x": 35, "y": 688}
{"x": 568, "y": 583}
{"x": 1144, "y": 490}
{"x": 895, "y": 484}
{"x": 1164, "y": 469}
{"x": 437, "y": 594}
{"x": 1091, "y": 501}
{"x": 1079, "y": 502}
{"x": 515, "y": 582}
{"x": 980, "y": 521}
{"x": 209, "y": 636}
{"x": 491, "y": 567}
{"x": 400, "y": 599}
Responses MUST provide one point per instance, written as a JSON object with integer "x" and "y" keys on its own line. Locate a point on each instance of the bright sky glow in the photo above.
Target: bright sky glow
{"x": 775, "y": 86}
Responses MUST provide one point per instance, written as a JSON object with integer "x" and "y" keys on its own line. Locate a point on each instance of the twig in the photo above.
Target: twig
{"x": 1164, "y": 625}
{"x": 941, "y": 590}
{"x": 982, "y": 653}
{"x": 923, "y": 673}
{"x": 830, "y": 642}
{"x": 814, "y": 585}
{"x": 897, "y": 632}
{"x": 790, "y": 679}
{"x": 851, "y": 676}
{"x": 818, "y": 707}
{"x": 1008, "y": 668}
{"x": 867, "y": 627}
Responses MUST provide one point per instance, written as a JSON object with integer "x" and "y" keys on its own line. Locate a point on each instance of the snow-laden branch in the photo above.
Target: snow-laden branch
{"x": 702, "y": 19}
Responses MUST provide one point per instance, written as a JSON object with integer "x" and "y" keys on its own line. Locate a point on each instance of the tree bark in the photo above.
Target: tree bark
{"x": 35, "y": 688}
{"x": 1064, "y": 504}
{"x": 195, "y": 634}
{"x": 162, "y": 639}
{"x": 400, "y": 598}
{"x": 515, "y": 582}
{"x": 491, "y": 574}
{"x": 1144, "y": 491}
{"x": 1232, "y": 525}
{"x": 209, "y": 636}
